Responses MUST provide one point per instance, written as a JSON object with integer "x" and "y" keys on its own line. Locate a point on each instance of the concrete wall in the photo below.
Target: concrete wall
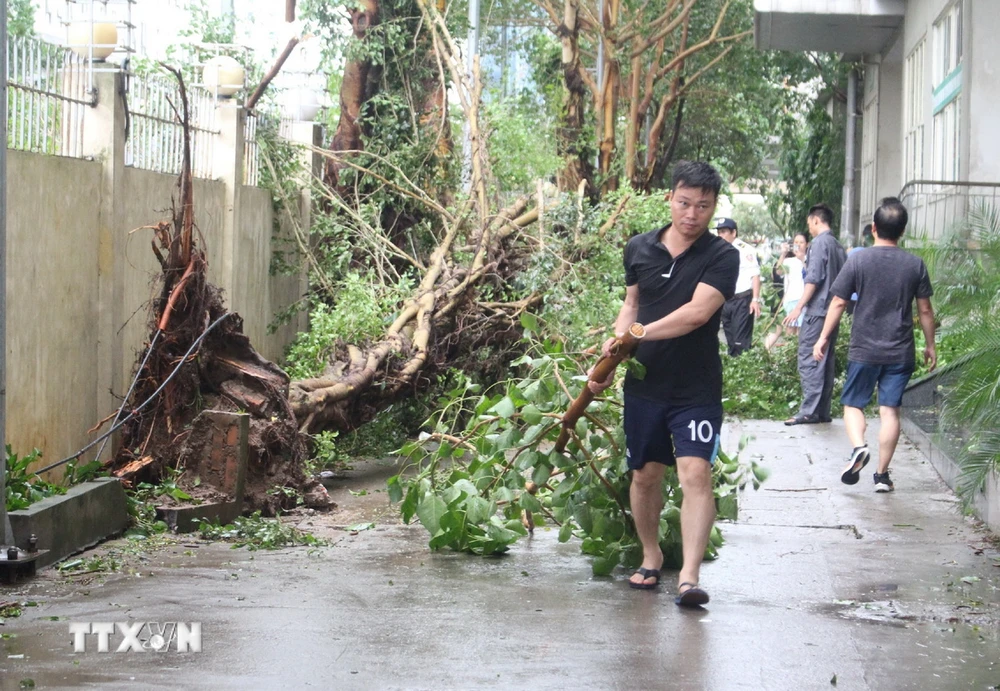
{"x": 890, "y": 138}
{"x": 255, "y": 250}
{"x": 52, "y": 259}
{"x": 81, "y": 275}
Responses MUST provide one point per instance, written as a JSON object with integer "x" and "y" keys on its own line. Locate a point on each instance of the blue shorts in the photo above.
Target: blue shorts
{"x": 659, "y": 433}
{"x": 862, "y": 378}
{"x": 788, "y": 307}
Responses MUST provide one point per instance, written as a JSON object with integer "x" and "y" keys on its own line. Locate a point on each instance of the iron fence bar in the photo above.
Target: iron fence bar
{"x": 69, "y": 99}
{"x": 171, "y": 121}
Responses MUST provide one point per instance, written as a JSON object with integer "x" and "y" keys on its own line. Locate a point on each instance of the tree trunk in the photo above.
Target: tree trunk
{"x": 198, "y": 359}
{"x": 569, "y": 135}
{"x": 609, "y": 95}
{"x": 353, "y": 93}
{"x": 658, "y": 177}
{"x": 433, "y": 122}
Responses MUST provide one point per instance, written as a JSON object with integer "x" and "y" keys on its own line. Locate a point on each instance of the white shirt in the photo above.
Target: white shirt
{"x": 794, "y": 285}
{"x": 748, "y": 265}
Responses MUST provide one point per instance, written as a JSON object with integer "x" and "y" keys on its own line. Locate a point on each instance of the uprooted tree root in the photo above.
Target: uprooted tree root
{"x": 222, "y": 372}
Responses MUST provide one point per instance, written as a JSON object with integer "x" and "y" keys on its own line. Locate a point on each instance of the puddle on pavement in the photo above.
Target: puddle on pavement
{"x": 981, "y": 623}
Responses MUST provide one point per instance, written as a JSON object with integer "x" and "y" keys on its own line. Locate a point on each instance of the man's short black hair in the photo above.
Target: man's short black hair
{"x": 822, "y": 212}
{"x": 699, "y": 175}
{"x": 890, "y": 219}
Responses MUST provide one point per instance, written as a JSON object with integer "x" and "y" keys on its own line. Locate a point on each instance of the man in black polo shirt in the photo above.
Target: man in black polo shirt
{"x": 677, "y": 279}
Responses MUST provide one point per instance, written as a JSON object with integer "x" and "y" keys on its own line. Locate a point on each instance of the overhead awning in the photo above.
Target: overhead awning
{"x": 827, "y": 26}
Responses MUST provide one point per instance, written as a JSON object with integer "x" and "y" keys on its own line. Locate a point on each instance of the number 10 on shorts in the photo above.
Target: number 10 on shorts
{"x": 701, "y": 431}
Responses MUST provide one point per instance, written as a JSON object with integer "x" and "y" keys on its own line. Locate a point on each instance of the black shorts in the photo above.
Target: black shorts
{"x": 659, "y": 433}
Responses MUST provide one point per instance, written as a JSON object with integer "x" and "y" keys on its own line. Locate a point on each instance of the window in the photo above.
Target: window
{"x": 946, "y": 89}
{"x": 946, "y": 151}
{"x": 914, "y": 95}
{"x": 948, "y": 43}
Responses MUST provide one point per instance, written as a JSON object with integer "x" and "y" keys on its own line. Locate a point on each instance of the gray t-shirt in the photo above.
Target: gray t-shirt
{"x": 886, "y": 279}
{"x": 824, "y": 259}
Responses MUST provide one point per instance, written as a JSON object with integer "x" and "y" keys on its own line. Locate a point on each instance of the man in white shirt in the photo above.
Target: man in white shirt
{"x": 740, "y": 310}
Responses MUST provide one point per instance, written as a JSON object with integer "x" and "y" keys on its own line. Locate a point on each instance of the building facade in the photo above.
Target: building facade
{"x": 926, "y": 102}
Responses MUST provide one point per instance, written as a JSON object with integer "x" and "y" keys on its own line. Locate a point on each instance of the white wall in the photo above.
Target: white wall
{"x": 982, "y": 75}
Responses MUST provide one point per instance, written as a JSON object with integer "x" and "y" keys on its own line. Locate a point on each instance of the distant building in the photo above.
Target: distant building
{"x": 926, "y": 101}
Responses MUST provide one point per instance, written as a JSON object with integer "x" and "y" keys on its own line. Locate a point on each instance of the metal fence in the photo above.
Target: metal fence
{"x": 156, "y": 137}
{"x": 939, "y": 207}
{"x": 48, "y": 92}
{"x": 252, "y": 153}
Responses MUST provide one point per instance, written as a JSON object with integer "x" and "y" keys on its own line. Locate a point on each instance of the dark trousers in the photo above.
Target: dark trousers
{"x": 816, "y": 377}
{"x": 737, "y": 322}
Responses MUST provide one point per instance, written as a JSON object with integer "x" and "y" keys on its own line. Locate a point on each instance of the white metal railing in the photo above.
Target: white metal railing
{"x": 47, "y": 96}
{"x": 937, "y": 207}
{"x": 251, "y": 143}
{"x": 156, "y": 137}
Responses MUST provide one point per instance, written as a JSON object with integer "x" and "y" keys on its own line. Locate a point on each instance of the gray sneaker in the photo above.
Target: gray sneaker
{"x": 883, "y": 483}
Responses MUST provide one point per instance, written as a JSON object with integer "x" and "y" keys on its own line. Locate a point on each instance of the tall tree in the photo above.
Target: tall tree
{"x": 650, "y": 57}
{"x": 353, "y": 88}
{"x": 572, "y": 145}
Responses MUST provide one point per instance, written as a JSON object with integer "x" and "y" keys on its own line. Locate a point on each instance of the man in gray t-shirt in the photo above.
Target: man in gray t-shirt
{"x": 887, "y": 280}
{"x": 824, "y": 258}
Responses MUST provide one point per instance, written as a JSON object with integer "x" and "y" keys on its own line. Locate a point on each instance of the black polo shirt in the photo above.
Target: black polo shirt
{"x": 686, "y": 370}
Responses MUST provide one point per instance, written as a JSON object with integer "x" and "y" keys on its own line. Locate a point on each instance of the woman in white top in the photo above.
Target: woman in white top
{"x": 791, "y": 265}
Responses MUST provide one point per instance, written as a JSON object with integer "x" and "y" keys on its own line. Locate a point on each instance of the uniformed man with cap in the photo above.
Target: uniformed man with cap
{"x": 740, "y": 310}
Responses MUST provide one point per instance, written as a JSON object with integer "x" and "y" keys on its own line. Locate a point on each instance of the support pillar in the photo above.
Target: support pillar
{"x": 309, "y": 134}
{"x": 227, "y": 167}
{"x": 848, "y": 215}
{"x": 104, "y": 141}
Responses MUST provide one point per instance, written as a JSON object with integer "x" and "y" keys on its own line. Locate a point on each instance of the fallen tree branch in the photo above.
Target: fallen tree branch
{"x": 278, "y": 64}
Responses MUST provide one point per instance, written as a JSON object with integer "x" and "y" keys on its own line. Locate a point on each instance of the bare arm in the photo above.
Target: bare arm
{"x": 807, "y": 293}
{"x": 926, "y": 312}
{"x": 705, "y": 302}
{"x": 833, "y": 315}
{"x": 626, "y": 317}
{"x": 629, "y": 310}
{"x": 755, "y": 303}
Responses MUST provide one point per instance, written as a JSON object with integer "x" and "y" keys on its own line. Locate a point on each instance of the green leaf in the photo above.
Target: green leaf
{"x": 515, "y": 526}
{"x": 530, "y": 502}
{"x": 504, "y": 408}
{"x": 477, "y": 509}
{"x": 531, "y": 414}
{"x": 409, "y": 505}
{"x": 527, "y": 460}
{"x": 529, "y": 321}
{"x": 760, "y": 472}
{"x": 541, "y": 474}
{"x": 565, "y": 532}
{"x": 727, "y": 507}
{"x": 604, "y": 566}
{"x": 430, "y": 511}
{"x": 395, "y": 489}
{"x": 411, "y": 449}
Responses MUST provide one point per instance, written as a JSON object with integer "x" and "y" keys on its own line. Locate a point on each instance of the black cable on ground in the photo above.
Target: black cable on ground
{"x": 142, "y": 405}
{"x": 131, "y": 388}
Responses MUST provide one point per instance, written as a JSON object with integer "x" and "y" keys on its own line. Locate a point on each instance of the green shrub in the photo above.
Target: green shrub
{"x": 24, "y": 488}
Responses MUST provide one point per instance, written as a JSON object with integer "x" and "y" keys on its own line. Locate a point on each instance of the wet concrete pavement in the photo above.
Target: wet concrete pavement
{"x": 817, "y": 580}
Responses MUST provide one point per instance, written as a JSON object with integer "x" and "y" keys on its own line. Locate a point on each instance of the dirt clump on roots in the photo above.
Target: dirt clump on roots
{"x": 198, "y": 359}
